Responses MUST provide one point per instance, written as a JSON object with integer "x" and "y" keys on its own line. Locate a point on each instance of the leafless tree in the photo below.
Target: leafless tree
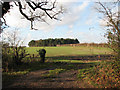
{"x": 111, "y": 17}
{"x": 15, "y": 49}
{"x": 37, "y": 10}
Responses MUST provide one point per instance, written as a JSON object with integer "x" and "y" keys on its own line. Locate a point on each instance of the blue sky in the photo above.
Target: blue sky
{"x": 81, "y": 21}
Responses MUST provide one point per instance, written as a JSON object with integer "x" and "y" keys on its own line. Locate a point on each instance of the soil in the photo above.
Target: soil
{"x": 35, "y": 79}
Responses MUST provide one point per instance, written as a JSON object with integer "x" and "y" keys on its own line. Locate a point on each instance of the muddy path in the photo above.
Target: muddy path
{"x": 35, "y": 79}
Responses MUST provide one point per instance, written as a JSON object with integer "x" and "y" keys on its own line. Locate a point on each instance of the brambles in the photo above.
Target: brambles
{"x": 104, "y": 75}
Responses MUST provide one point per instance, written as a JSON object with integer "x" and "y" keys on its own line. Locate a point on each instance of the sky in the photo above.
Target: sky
{"x": 80, "y": 21}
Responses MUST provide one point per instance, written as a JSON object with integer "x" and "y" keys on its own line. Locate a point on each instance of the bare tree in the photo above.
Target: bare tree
{"x": 37, "y": 10}
{"x": 15, "y": 50}
{"x": 111, "y": 17}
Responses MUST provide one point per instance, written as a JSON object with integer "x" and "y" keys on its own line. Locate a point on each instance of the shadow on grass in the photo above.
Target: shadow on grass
{"x": 36, "y": 65}
{"x": 70, "y": 63}
{"x": 50, "y": 65}
{"x": 82, "y": 57}
{"x": 64, "y": 62}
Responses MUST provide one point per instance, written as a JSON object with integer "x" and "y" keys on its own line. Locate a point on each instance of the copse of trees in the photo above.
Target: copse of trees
{"x": 52, "y": 42}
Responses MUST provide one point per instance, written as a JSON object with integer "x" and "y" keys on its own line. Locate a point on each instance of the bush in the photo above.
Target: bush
{"x": 42, "y": 53}
{"x": 104, "y": 75}
{"x": 7, "y": 61}
{"x": 12, "y": 57}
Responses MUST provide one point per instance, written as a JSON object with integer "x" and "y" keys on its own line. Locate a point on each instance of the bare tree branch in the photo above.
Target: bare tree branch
{"x": 20, "y": 9}
{"x": 46, "y": 6}
{"x": 108, "y": 12}
{"x": 113, "y": 22}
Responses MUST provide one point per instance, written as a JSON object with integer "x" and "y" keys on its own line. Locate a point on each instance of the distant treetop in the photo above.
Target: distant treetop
{"x": 52, "y": 42}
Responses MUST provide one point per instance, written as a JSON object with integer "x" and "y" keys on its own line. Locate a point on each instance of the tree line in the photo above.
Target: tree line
{"x": 87, "y": 44}
{"x": 52, "y": 42}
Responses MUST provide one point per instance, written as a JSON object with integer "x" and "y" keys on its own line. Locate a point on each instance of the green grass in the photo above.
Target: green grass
{"x": 53, "y": 73}
{"x": 55, "y": 68}
{"x": 73, "y": 61}
{"x": 70, "y": 51}
{"x": 58, "y": 60}
{"x": 17, "y": 73}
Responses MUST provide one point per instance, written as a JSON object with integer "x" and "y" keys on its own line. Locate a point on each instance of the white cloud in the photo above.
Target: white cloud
{"x": 91, "y": 37}
{"x": 102, "y": 22}
{"x": 28, "y": 38}
{"x": 13, "y": 18}
{"x": 70, "y": 32}
{"x": 87, "y": 0}
{"x": 86, "y": 37}
{"x": 70, "y": 26}
{"x": 92, "y": 19}
{"x": 73, "y": 14}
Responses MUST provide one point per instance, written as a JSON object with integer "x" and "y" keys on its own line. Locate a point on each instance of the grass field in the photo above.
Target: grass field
{"x": 70, "y": 51}
{"x": 65, "y": 67}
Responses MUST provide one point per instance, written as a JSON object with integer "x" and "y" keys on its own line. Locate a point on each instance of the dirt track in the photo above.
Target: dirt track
{"x": 34, "y": 79}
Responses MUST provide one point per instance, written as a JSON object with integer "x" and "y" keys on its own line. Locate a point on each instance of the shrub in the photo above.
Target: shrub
{"x": 42, "y": 53}
{"x": 104, "y": 75}
{"x": 12, "y": 57}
